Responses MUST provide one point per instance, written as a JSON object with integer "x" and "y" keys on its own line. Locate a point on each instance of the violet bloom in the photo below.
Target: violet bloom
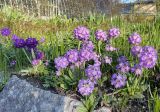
{"x": 81, "y": 33}
{"x": 118, "y": 80}
{"x": 113, "y": 32}
{"x": 108, "y": 60}
{"x": 61, "y": 63}
{"x": 42, "y": 40}
{"x": 13, "y": 63}
{"x": 19, "y": 43}
{"x": 88, "y": 45}
{"x": 136, "y": 50}
{"x": 101, "y": 35}
{"x": 58, "y": 73}
{"x": 93, "y": 72}
{"x": 123, "y": 67}
{"x": 85, "y": 55}
{"x": 35, "y": 62}
{"x": 14, "y": 37}
{"x": 85, "y": 87}
{"x": 135, "y": 39}
{"x": 31, "y": 43}
{"x": 110, "y": 48}
{"x": 40, "y": 55}
{"x": 72, "y": 55}
{"x": 5, "y": 31}
{"x": 137, "y": 70}
{"x": 122, "y": 59}
{"x": 148, "y": 57}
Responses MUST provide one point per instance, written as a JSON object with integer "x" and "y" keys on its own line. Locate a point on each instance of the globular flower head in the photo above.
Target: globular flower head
{"x": 19, "y": 43}
{"x": 113, "y": 32}
{"x": 123, "y": 67}
{"x": 110, "y": 48}
{"x": 88, "y": 45}
{"x": 118, "y": 80}
{"x": 31, "y": 42}
{"x": 85, "y": 87}
{"x": 148, "y": 57}
{"x": 135, "y": 39}
{"x": 61, "y": 63}
{"x": 35, "y": 62}
{"x": 81, "y": 33}
{"x": 40, "y": 55}
{"x": 136, "y": 50}
{"x": 85, "y": 55}
{"x": 137, "y": 69}
{"x": 72, "y": 55}
{"x": 101, "y": 35}
{"x": 93, "y": 72}
{"x": 122, "y": 59}
{"x": 108, "y": 60}
{"x": 14, "y": 37}
{"x": 5, "y": 31}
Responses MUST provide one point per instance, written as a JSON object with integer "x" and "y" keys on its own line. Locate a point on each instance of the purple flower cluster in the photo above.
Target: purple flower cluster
{"x": 5, "y": 31}
{"x": 118, "y": 80}
{"x": 136, "y": 50}
{"x": 88, "y": 45}
{"x": 85, "y": 87}
{"x": 123, "y": 65}
{"x": 19, "y": 43}
{"x": 113, "y": 32}
{"x": 82, "y": 33}
{"x": 148, "y": 57}
{"x": 72, "y": 55}
{"x": 137, "y": 69}
{"x": 101, "y": 35}
{"x": 61, "y": 62}
{"x": 110, "y": 48}
{"x": 35, "y": 62}
{"x": 40, "y": 55}
{"x": 93, "y": 72}
{"x": 135, "y": 39}
{"x": 108, "y": 60}
{"x": 31, "y": 43}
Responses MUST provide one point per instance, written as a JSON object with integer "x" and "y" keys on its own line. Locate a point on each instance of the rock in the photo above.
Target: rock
{"x": 20, "y": 96}
{"x": 103, "y": 109}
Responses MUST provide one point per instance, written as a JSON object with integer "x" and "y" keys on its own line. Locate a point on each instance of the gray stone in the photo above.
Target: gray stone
{"x": 20, "y": 96}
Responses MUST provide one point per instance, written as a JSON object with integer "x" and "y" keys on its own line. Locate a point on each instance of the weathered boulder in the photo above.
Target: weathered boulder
{"x": 20, "y": 96}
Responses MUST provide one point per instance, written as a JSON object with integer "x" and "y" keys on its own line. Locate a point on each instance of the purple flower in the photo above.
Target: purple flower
{"x": 110, "y": 48}
{"x": 61, "y": 62}
{"x": 108, "y": 60}
{"x": 72, "y": 55}
{"x": 93, "y": 72}
{"x": 35, "y": 62}
{"x": 137, "y": 70}
{"x": 14, "y": 37}
{"x": 42, "y": 40}
{"x": 12, "y": 63}
{"x": 136, "y": 50}
{"x": 101, "y": 35}
{"x": 135, "y": 39}
{"x": 123, "y": 67}
{"x": 81, "y": 33}
{"x": 31, "y": 42}
{"x": 85, "y": 87}
{"x": 85, "y": 55}
{"x": 58, "y": 73}
{"x": 19, "y": 43}
{"x": 40, "y": 55}
{"x": 113, "y": 32}
{"x": 122, "y": 59}
{"x": 5, "y": 31}
{"x": 118, "y": 80}
{"x": 148, "y": 57}
{"x": 88, "y": 45}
